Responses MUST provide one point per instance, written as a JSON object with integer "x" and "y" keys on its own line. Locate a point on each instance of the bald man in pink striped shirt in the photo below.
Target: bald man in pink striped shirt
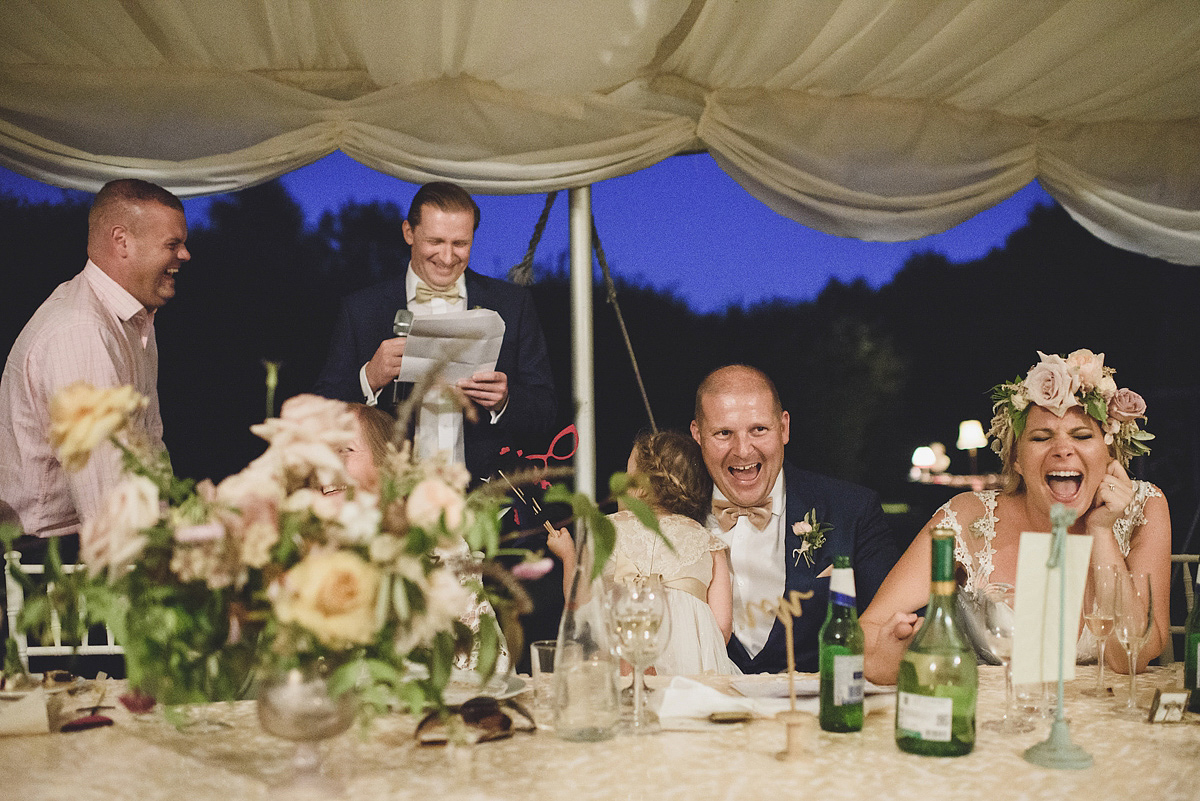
{"x": 98, "y": 327}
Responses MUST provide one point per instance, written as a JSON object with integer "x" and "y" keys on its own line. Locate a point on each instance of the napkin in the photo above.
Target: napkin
{"x": 685, "y": 702}
{"x": 25, "y": 715}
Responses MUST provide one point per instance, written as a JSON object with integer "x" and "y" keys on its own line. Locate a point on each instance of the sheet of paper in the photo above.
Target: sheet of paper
{"x": 463, "y": 343}
{"x": 1036, "y": 639}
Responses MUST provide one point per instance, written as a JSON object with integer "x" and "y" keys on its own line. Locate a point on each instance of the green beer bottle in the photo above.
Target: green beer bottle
{"x": 1191, "y": 650}
{"x": 841, "y": 659}
{"x": 938, "y": 678}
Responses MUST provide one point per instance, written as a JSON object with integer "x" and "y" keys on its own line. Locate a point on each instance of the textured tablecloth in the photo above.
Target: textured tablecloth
{"x": 148, "y": 759}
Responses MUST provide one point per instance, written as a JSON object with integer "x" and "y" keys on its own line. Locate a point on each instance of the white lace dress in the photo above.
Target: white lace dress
{"x": 973, "y": 550}
{"x": 696, "y": 644}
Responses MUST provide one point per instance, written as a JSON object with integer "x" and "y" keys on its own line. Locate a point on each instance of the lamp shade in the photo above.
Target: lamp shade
{"x": 970, "y": 435}
{"x": 924, "y": 457}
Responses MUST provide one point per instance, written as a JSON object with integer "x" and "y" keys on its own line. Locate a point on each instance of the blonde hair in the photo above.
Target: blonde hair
{"x": 673, "y": 473}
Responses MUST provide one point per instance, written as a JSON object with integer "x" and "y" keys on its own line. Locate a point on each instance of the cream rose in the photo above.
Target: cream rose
{"x": 333, "y": 595}
{"x": 1051, "y": 385}
{"x": 1088, "y": 366}
{"x": 112, "y": 540}
{"x": 1126, "y": 405}
{"x": 433, "y": 498}
{"x": 82, "y": 416}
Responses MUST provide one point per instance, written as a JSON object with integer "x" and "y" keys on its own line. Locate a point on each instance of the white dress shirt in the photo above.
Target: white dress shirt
{"x": 439, "y": 420}
{"x": 757, "y": 566}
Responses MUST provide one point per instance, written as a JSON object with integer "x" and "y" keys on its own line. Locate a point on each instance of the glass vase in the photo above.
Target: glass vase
{"x": 586, "y": 699}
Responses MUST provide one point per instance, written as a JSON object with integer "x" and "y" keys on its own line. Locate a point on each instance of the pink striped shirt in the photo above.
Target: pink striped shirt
{"x": 89, "y": 329}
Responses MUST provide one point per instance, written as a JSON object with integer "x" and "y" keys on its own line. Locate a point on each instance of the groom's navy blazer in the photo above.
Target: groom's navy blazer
{"x": 860, "y": 531}
{"x": 366, "y": 318}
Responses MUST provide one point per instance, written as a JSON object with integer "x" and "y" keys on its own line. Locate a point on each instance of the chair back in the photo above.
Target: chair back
{"x": 56, "y": 647}
{"x": 1183, "y": 569}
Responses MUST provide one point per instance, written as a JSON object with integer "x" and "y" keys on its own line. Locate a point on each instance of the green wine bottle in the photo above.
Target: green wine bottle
{"x": 938, "y": 678}
{"x": 1191, "y": 650}
{"x": 841, "y": 657}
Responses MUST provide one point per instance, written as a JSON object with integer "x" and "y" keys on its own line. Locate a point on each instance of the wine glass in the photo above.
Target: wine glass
{"x": 641, "y": 626}
{"x": 994, "y": 609}
{"x": 296, "y": 704}
{"x": 1134, "y": 617}
{"x": 1099, "y": 620}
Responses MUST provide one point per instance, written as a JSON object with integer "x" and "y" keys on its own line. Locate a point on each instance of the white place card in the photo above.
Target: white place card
{"x": 1036, "y": 636}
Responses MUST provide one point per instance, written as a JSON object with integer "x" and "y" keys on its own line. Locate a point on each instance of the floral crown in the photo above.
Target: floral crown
{"x": 1057, "y": 384}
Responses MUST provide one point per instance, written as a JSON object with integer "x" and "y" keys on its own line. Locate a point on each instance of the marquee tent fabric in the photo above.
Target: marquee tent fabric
{"x": 878, "y": 119}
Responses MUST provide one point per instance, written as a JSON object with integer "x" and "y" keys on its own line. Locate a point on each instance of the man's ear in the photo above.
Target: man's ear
{"x": 786, "y": 422}
{"x": 696, "y": 432}
{"x": 408, "y": 233}
{"x": 118, "y": 237}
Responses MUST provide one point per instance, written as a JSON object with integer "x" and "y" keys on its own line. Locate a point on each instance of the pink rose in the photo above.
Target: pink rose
{"x": 530, "y": 571}
{"x": 112, "y": 539}
{"x": 1051, "y": 385}
{"x": 1126, "y": 405}
{"x": 199, "y": 532}
{"x": 433, "y": 498}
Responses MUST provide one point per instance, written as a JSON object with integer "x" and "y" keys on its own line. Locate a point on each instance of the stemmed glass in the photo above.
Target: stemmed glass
{"x": 1099, "y": 620}
{"x": 637, "y": 616}
{"x": 296, "y": 704}
{"x": 994, "y": 611}
{"x": 1134, "y": 616}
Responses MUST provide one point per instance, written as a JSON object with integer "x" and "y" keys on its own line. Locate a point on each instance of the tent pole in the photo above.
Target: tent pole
{"x": 583, "y": 378}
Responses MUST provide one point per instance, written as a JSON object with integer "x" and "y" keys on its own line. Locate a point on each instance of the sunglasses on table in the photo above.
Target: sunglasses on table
{"x": 483, "y": 718}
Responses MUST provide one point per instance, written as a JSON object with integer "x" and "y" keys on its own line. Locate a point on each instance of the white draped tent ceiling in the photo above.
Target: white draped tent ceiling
{"x": 865, "y": 118}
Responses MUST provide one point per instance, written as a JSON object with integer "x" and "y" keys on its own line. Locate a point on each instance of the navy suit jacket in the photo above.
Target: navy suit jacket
{"x": 366, "y": 318}
{"x": 860, "y": 531}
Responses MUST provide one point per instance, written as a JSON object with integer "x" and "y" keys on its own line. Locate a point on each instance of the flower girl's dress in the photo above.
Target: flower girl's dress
{"x": 696, "y": 644}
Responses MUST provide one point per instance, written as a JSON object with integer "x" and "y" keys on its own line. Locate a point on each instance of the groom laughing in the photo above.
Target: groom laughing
{"x": 760, "y": 503}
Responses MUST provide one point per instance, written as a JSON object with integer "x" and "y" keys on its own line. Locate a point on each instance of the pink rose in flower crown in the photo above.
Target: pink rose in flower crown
{"x": 1051, "y": 385}
{"x": 433, "y": 498}
{"x": 1126, "y": 405}
{"x": 1088, "y": 366}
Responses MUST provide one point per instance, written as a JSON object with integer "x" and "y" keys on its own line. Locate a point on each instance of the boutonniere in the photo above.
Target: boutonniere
{"x": 812, "y": 537}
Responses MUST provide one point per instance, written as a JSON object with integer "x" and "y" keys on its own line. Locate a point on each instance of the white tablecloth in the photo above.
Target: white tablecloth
{"x": 148, "y": 759}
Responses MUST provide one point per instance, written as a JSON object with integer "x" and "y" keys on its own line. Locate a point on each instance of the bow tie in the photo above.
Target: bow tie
{"x": 426, "y": 293}
{"x": 727, "y": 514}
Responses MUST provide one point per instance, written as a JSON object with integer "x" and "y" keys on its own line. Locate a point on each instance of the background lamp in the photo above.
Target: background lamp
{"x": 970, "y": 439}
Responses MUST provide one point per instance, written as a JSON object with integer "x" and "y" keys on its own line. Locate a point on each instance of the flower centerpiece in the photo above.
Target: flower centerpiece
{"x": 202, "y": 583}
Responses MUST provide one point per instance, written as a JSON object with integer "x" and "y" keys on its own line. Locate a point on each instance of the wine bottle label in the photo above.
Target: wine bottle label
{"x": 847, "y": 679}
{"x": 924, "y": 717}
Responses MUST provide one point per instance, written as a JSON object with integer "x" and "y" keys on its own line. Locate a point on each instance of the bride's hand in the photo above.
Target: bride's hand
{"x": 1112, "y": 498}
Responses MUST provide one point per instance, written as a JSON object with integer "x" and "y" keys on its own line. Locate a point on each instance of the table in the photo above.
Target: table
{"x": 148, "y": 759}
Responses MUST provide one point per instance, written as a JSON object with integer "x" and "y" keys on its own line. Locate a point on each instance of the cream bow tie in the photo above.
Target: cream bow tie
{"x": 727, "y": 514}
{"x": 426, "y": 293}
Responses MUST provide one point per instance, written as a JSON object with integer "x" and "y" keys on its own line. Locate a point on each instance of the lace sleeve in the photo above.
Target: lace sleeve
{"x": 976, "y": 562}
{"x": 1135, "y": 514}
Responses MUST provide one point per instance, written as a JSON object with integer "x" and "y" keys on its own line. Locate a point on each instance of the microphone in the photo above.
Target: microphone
{"x": 400, "y": 327}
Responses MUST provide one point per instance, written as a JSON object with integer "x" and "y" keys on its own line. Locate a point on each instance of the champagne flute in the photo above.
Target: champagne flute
{"x": 641, "y": 627}
{"x": 1099, "y": 620}
{"x": 1135, "y": 615}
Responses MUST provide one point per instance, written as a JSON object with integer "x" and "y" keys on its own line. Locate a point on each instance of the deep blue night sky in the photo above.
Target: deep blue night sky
{"x": 681, "y": 225}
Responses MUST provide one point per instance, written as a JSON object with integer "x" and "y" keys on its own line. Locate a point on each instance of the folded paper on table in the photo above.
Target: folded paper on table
{"x": 1035, "y": 656}
{"x": 26, "y": 715}
{"x": 777, "y": 687}
{"x": 459, "y": 343}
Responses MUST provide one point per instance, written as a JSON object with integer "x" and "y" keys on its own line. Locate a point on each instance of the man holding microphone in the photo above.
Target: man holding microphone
{"x": 369, "y": 340}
